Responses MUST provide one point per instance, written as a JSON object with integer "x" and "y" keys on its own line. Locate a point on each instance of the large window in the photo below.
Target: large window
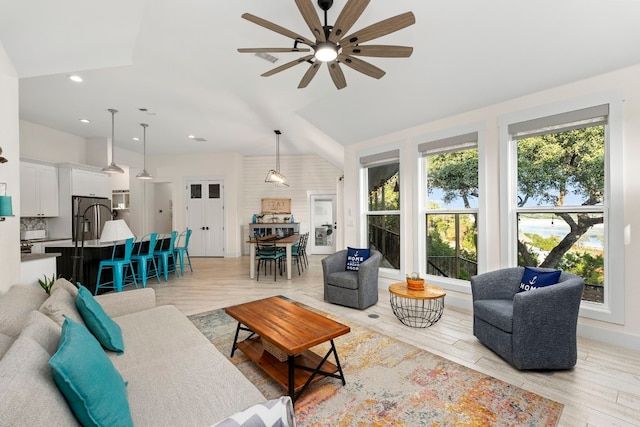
{"x": 562, "y": 199}
{"x": 451, "y": 214}
{"x": 382, "y": 172}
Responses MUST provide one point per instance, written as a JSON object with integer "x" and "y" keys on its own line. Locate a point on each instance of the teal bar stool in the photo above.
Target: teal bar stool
{"x": 146, "y": 261}
{"x": 167, "y": 253}
{"x": 182, "y": 249}
{"x": 122, "y": 268}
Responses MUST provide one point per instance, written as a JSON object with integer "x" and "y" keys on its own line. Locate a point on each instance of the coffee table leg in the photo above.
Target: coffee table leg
{"x": 292, "y": 377}
{"x": 335, "y": 354}
{"x": 235, "y": 339}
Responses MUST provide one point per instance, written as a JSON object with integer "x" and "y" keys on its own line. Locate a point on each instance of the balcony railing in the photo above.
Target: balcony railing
{"x": 451, "y": 266}
{"x": 388, "y": 243}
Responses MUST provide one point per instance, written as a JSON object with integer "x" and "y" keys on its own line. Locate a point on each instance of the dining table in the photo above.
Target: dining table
{"x": 283, "y": 242}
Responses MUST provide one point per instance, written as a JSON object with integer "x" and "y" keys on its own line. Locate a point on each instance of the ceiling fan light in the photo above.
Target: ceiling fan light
{"x": 326, "y": 52}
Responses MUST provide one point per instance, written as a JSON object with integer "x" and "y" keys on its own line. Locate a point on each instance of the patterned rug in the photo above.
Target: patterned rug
{"x": 391, "y": 383}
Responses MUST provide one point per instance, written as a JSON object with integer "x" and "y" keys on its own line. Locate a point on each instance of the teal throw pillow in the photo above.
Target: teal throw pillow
{"x": 99, "y": 323}
{"x": 534, "y": 279}
{"x": 355, "y": 257}
{"x": 89, "y": 382}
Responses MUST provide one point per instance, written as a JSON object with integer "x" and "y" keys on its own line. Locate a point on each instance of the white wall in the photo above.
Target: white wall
{"x": 176, "y": 169}
{"x": 486, "y": 119}
{"x": 9, "y": 172}
{"x": 244, "y": 186}
{"x": 303, "y": 173}
{"x": 51, "y": 145}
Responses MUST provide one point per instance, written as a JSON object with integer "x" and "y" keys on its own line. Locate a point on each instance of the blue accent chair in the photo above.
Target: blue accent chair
{"x": 182, "y": 249}
{"x": 166, "y": 254}
{"x": 531, "y": 330}
{"x": 146, "y": 261}
{"x": 122, "y": 269}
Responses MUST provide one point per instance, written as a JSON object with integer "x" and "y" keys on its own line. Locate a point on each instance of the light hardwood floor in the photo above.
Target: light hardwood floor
{"x": 602, "y": 390}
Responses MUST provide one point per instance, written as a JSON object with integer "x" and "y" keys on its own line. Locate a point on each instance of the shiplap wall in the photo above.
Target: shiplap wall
{"x": 304, "y": 173}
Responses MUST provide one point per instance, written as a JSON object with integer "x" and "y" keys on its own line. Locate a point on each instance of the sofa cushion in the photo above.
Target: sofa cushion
{"x": 44, "y": 331}
{"x": 343, "y": 279}
{"x": 64, "y": 284}
{"x": 93, "y": 388}
{"x": 272, "y": 413}
{"x": 197, "y": 384}
{"x": 534, "y": 279}
{"x": 28, "y": 393}
{"x": 496, "y": 312}
{"x": 355, "y": 257}
{"x": 61, "y": 303}
{"x": 15, "y": 306}
{"x": 106, "y": 331}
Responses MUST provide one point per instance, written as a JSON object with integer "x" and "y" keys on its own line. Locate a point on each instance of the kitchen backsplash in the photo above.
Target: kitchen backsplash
{"x": 32, "y": 224}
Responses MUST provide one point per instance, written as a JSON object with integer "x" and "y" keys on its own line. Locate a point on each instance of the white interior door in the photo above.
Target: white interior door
{"x": 205, "y": 216}
{"x": 322, "y": 235}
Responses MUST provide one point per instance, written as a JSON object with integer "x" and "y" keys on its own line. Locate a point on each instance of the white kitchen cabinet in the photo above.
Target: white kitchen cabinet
{"x": 76, "y": 180}
{"x": 89, "y": 183}
{"x": 38, "y": 190}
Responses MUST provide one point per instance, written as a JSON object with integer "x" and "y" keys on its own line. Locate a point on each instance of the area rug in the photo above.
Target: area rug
{"x": 391, "y": 383}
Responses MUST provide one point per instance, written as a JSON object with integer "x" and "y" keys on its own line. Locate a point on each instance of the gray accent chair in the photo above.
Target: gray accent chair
{"x": 355, "y": 289}
{"x": 531, "y": 330}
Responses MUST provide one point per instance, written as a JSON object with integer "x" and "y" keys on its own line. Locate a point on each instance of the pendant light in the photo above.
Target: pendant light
{"x": 112, "y": 168}
{"x": 274, "y": 176}
{"x": 144, "y": 174}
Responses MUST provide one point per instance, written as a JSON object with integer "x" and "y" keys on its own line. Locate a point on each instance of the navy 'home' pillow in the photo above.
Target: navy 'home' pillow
{"x": 355, "y": 257}
{"x": 533, "y": 279}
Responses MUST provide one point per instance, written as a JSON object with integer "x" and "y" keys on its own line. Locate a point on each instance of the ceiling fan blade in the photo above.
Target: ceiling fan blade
{"x": 311, "y": 18}
{"x": 379, "y": 29}
{"x": 349, "y": 15}
{"x": 362, "y": 66}
{"x": 271, "y": 49}
{"x": 337, "y": 75}
{"x": 287, "y": 65}
{"x": 381, "y": 51}
{"x": 309, "y": 75}
{"x": 277, "y": 28}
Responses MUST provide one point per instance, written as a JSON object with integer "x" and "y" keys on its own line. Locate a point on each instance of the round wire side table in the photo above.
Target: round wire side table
{"x": 418, "y": 309}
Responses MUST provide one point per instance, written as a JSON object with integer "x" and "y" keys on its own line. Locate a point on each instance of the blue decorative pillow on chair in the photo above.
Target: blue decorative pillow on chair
{"x": 355, "y": 257}
{"x": 88, "y": 380}
{"x": 98, "y": 322}
{"x": 533, "y": 279}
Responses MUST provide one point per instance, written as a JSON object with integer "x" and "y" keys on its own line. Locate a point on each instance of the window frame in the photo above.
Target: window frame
{"x": 383, "y": 155}
{"x": 612, "y": 310}
{"x": 420, "y": 244}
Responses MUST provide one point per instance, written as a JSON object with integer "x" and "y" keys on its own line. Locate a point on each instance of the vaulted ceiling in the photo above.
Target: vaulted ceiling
{"x": 178, "y": 60}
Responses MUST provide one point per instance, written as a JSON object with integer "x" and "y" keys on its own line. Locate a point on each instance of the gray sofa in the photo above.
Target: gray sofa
{"x": 355, "y": 289}
{"x": 175, "y": 375}
{"x": 531, "y": 330}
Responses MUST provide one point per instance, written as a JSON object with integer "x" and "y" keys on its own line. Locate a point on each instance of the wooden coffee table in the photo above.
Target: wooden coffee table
{"x": 418, "y": 309}
{"x": 293, "y": 330}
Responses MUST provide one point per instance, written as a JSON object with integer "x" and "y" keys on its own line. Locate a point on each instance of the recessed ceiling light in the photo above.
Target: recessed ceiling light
{"x": 75, "y": 78}
{"x": 85, "y": 120}
{"x": 135, "y": 138}
{"x": 191, "y": 137}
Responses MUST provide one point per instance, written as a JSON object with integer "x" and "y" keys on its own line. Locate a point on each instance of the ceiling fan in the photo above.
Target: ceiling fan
{"x": 332, "y": 43}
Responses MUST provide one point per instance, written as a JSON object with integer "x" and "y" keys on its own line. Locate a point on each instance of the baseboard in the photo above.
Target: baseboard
{"x": 607, "y": 336}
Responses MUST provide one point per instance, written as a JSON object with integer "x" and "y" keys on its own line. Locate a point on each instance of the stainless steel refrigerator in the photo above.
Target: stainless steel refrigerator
{"x": 89, "y": 216}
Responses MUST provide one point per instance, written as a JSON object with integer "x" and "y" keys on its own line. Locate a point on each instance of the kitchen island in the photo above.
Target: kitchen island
{"x": 93, "y": 253}
{"x": 34, "y": 267}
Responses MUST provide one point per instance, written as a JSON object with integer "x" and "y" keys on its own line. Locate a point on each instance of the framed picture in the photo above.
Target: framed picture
{"x": 276, "y": 206}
